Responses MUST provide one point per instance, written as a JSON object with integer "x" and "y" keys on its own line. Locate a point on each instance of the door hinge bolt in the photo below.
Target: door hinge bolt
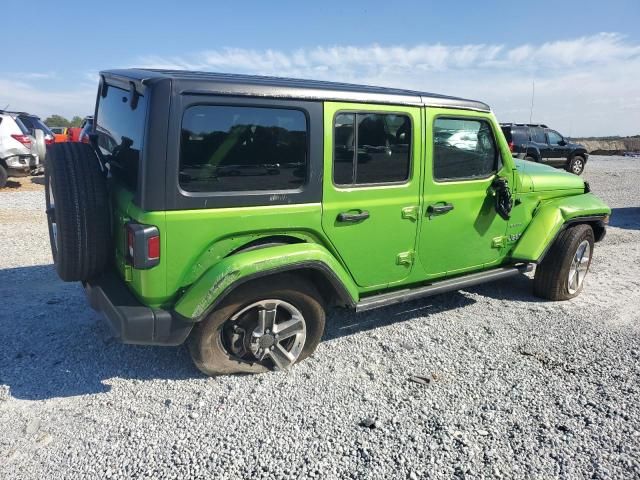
{"x": 405, "y": 258}
{"x": 498, "y": 242}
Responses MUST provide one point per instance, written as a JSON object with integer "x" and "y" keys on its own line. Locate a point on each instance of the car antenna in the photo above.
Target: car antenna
{"x": 533, "y": 94}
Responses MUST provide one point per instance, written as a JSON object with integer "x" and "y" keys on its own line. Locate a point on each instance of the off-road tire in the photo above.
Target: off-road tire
{"x": 205, "y": 341}
{"x": 3, "y": 177}
{"x": 551, "y": 278}
{"x": 577, "y": 162}
{"x": 81, "y": 211}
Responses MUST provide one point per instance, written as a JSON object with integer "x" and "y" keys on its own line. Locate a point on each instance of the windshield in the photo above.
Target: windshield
{"x": 120, "y": 131}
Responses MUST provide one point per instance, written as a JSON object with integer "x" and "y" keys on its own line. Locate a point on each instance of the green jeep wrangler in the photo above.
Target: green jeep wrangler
{"x": 231, "y": 211}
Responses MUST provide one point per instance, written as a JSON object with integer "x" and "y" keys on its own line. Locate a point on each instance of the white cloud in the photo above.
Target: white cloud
{"x": 584, "y": 86}
{"x": 23, "y": 95}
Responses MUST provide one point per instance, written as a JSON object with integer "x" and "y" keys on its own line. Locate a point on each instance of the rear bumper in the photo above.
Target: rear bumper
{"x": 132, "y": 321}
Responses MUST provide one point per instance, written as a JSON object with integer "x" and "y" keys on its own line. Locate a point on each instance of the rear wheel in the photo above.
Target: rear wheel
{"x": 561, "y": 274}
{"x": 576, "y": 165}
{"x": 267, "y": 324}
{"x": 529, "y": 158}
{"x": 3, "y": 177}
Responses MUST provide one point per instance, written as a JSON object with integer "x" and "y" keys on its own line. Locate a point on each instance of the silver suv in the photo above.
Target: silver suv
{"x": 20, "y": 152}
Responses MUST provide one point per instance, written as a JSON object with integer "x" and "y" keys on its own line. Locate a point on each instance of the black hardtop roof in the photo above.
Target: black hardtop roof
{"x": 276, "y": 87}
{"x": 509, "y": 124}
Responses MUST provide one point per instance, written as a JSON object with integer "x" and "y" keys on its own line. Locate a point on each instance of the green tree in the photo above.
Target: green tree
{"x": 57, "y": 121}
{"x": 76, "y": 121}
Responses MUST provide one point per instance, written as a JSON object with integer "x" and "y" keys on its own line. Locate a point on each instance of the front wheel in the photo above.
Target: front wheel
{"x": 267, "y": 324}
{"x": 561, "y": 274}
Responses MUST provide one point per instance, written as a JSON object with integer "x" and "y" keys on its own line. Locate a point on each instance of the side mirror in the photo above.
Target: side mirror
{"x": 562, "y": 143}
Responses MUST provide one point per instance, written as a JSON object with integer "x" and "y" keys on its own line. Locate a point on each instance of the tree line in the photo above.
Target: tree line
{"x": 60, "y": 121}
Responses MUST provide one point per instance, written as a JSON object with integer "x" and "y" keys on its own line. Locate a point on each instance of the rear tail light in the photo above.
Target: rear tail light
{"x": 23, "y": 139}
{"x": 511, "y": 146}
{"x": 143, "y": 245}
{"x": 49, "y": 140}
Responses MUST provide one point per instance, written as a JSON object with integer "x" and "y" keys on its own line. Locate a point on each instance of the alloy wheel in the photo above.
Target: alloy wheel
{"x": 577, "y": 166}
{"x": 51, "y": 213}
{"x": 271, "y": 332}
{"x": 579, "y": 267}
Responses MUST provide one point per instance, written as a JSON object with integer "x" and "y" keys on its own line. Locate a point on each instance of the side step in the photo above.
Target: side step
{"x": 399, "y": 296}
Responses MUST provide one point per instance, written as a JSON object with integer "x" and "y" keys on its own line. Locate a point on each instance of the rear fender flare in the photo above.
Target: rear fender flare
{"x": 217, "y": 282}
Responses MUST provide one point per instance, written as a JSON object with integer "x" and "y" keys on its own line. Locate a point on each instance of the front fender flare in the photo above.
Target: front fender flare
{"x": 551, "y": 217}
{"x": 203, "y": 295}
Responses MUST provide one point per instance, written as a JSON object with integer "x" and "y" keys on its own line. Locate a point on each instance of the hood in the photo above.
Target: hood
{"x": 574, "y": 145}
{"x": 536, "y": 177}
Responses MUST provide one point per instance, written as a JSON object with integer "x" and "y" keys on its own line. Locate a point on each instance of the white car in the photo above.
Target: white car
{"x": 18, "y": 149}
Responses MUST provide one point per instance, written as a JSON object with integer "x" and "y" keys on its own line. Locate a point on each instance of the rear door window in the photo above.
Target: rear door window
{"x": 383, "y": 153}
{"x": 537, "y": 135}
{"x": 120, "y": 129}
{"x": 237, "y": 148}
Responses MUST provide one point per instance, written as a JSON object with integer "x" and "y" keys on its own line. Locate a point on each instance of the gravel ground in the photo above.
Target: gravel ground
{"x": 515, "y": 387}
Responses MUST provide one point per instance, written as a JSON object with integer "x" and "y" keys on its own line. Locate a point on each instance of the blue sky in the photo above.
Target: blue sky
{"x": 584, "y": 56}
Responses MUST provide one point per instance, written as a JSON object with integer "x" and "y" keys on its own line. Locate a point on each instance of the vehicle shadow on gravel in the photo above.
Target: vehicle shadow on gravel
{"x": 341, "y": 323}
{"x": 627, "y": 217}
{"x": 53, "y": 345}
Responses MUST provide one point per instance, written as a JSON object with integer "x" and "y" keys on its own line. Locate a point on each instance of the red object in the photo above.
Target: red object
{"x": 511, "y": 146}
{"x": 23, "y": 139}
{"x": 74, "y": 134}
{"x": 153, "y": 247}
{"x": 49, "y": 141}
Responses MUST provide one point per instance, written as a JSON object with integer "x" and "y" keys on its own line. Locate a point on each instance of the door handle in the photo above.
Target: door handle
{"x": 439, "y": 208}
{"x": 353, "y": 217}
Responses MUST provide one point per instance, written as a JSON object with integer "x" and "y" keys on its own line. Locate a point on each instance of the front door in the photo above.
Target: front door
{"x": 557, "y": 145}
{"x": 371, "y": 189}
{"x": 461, "y": 230}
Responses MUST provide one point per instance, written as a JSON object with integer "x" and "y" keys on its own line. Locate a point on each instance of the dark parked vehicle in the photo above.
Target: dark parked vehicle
{"x": 85, "y": 129}
{"x": 539, "y": 143}
{"x": 33, "y": 123}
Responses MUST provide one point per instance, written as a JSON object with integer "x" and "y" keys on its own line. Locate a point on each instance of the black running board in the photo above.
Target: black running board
{"x": 442, "y": 286}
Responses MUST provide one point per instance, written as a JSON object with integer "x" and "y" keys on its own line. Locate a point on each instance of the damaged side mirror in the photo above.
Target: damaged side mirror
{"x": 502, "y": 195}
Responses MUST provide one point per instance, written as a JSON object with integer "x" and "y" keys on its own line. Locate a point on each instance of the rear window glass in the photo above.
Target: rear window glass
{"x": 22, "y": 126}
{"x": 33, "y": 123}
{"x": 234, "y": 148}
{"x": 120, "y": 133}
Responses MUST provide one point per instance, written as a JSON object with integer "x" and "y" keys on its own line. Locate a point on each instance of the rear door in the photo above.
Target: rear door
{"x": 461, "y": 230}
{"x": 371, "y": 188}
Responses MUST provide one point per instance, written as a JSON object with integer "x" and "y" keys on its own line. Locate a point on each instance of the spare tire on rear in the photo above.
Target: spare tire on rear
{"x": 78, "y": 211}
